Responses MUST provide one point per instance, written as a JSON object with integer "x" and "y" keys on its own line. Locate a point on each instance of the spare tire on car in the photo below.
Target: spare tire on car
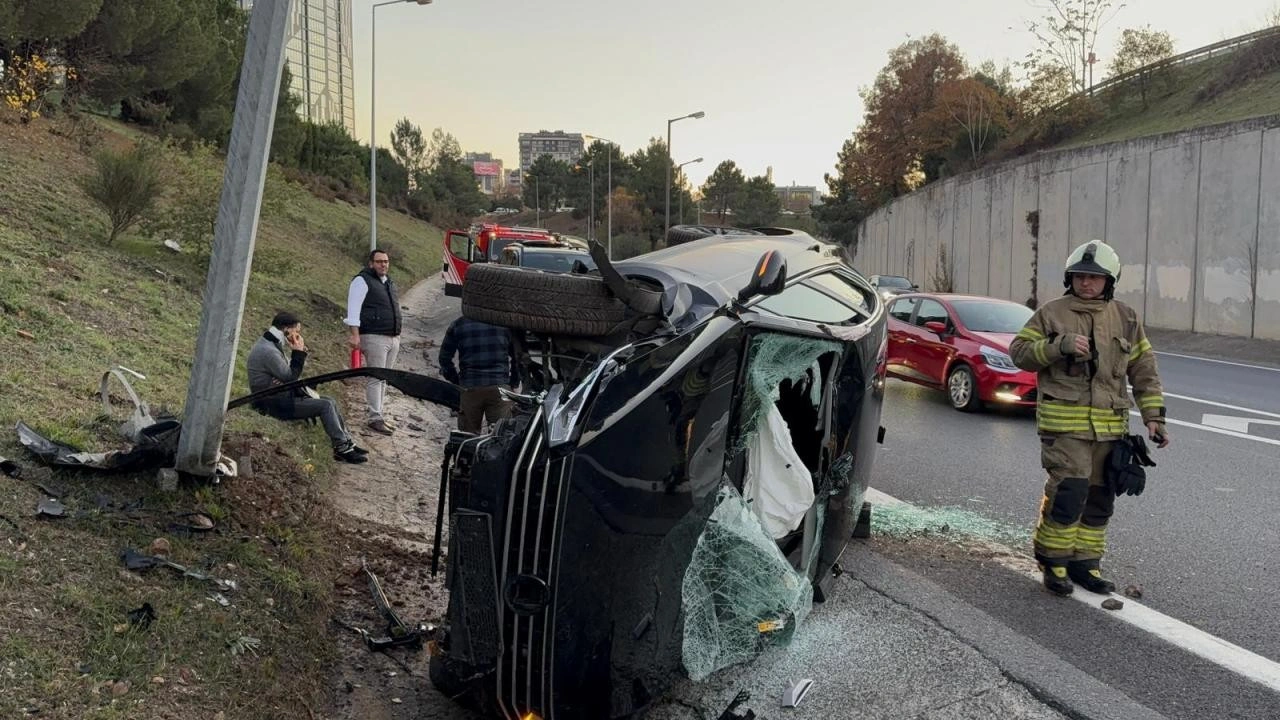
{"x": 542, "y": 302}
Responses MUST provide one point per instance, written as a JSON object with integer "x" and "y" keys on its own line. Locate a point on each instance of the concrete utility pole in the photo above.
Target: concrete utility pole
{"x": 234, "y": 234}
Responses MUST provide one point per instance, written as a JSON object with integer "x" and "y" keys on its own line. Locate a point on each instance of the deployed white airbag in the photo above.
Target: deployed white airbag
{"x": 778, "y": 485}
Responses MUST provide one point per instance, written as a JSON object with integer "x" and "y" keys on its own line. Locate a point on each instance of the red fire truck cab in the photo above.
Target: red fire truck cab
{"x": 482, "y": 243}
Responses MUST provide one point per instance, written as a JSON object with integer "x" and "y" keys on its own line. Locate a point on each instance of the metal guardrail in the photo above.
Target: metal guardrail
{"x": 1186, "y": 58}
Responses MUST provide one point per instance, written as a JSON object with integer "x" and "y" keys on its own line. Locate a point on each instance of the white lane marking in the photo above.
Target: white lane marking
{"x": 1224, "y": 406}
{"x": 1234, "y": 422}
{"x": 1238, "y": 660}
{"x": 1220, "y": 362}
{"x": 1220, "y": 431}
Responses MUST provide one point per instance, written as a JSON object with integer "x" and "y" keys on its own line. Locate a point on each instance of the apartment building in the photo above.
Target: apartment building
{"x": 560, "y": 145}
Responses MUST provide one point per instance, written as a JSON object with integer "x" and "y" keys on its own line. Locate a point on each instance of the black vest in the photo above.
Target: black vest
{"x": 380, "y": 313}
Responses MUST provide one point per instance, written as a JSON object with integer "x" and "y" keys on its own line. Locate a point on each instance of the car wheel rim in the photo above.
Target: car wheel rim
{"x": 961, "y": 388}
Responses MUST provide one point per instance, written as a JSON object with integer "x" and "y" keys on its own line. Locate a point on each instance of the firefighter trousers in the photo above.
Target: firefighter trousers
{"x": 1077, "y": 502}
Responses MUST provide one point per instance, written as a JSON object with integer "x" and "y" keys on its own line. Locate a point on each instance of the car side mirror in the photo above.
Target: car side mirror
{"x": 936, "y": 326}
{"x": 768, "y": 278}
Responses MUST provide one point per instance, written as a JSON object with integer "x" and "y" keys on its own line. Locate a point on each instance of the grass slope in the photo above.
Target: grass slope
{"x": 1174, "y": 106}
{"x": 66, "y": 647}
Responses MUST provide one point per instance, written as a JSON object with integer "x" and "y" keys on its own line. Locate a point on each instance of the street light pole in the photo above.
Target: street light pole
{"x": 678, "y": 167}
{"x": 373, "y": 134}
{"x": 666, "y": 225}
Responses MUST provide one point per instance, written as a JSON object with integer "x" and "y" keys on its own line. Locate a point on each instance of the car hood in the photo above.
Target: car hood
{"x": 999, "y": 341}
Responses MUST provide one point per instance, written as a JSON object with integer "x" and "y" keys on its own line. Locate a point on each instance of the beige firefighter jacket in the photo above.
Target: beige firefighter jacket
{"x": 1083, "y": 396}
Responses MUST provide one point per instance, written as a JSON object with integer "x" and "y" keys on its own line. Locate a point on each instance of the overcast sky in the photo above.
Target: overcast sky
{"x": 778, "y": 80}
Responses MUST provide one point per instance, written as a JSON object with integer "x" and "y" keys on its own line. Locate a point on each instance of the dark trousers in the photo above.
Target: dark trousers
{"x": 325, "y": 408}
{"x": 479, "y": 404}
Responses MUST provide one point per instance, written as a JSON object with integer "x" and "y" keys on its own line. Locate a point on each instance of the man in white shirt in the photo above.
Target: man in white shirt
{"x": 373, "y": 322}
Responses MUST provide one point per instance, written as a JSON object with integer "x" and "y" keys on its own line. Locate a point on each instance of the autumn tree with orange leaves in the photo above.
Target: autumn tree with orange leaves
{"x": 927, "y": 115}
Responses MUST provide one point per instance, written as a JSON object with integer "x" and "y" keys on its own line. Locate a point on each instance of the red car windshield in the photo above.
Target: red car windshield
{"x": 992, "y": 317}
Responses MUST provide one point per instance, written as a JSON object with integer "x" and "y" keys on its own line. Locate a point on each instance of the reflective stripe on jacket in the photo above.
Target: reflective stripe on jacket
{"x": 1087, "y": 396}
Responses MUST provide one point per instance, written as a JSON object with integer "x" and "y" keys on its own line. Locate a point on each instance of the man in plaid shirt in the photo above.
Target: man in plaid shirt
{"x": 486, "y": 356}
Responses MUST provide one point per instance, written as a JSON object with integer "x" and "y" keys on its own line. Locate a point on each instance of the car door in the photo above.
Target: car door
{"x": 459, "y": 250}
{"x": 817, "y": 346}
{"x": 902, "y": 340}
{"x": 932, "y": 350}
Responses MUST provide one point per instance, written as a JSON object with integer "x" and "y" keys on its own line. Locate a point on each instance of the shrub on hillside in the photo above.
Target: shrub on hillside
{"x": 125, "y": 185}
{"x": 1052, "y": 127}
{"x": 1254, "y": 61}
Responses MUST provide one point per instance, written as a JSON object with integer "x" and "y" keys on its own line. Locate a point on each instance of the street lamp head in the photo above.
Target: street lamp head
{"x": 696, "y": 160}
{"x": 420, "y": 2}
{"x": 698, "y": 115}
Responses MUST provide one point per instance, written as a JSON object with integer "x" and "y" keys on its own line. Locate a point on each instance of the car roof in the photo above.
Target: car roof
{"x": 720, "y": 265}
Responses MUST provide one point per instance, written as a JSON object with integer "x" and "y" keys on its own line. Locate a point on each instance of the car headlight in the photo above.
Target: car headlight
{"x": 998, "y": 360}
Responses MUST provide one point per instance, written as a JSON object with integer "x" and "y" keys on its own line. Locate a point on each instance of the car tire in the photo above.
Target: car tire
{"x": 542, "y": 302}
{"x": 962, "y": 389}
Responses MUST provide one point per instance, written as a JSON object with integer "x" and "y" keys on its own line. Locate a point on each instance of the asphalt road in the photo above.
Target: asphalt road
{"x": 1200, "y": 542}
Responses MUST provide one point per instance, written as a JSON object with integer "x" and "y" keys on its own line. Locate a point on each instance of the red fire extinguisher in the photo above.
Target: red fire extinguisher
{"x": 357, "y": 358}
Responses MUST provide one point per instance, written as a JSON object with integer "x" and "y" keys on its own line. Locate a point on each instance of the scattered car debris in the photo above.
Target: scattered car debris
{"x": 1112, "y": 604}
{"x": 245, "y": 644}
{"x": 220, "y": 599}
{"x": 142, "y": 617}
{"x": 192, "y": 522}
{"x": 49, "y": 507}
{"x": 134, "y": 560}
{"x": 155, "y": 439}
{"x": 173, "y": 245}
{"x": 796, "y": 693}
{"x": 9, "y": 467}
{"x": 731, "y": 712}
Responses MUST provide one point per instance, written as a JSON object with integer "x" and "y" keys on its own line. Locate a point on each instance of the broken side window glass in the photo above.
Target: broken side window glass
{"x": 740, "y": 594}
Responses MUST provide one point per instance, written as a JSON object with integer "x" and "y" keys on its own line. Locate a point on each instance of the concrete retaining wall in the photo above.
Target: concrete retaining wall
{"x": 1195, "y": 217}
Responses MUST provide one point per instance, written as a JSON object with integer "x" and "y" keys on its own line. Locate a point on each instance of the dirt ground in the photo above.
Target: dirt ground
{"x": 390, "y": 503}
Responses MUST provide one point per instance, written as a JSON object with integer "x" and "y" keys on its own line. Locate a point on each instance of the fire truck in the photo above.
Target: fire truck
{"x": 483, "y": 243}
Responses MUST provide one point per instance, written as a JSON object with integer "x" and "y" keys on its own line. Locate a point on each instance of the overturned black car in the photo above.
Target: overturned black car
{"x": 681, "y": 473}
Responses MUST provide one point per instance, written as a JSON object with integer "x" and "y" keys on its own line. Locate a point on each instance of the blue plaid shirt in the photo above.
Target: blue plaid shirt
{"x": 485, "y": 354}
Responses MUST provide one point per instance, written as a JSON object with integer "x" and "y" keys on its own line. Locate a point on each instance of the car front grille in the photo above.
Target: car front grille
{"x": 524, "y": 682}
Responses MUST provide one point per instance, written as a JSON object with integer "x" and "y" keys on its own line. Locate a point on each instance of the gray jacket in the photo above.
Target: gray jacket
{"x": 267, "y": 366}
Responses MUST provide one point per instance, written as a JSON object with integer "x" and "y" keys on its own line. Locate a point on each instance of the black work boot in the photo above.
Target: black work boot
{"x": 1055, "y": 579}
{"x": 1086, "y": 574}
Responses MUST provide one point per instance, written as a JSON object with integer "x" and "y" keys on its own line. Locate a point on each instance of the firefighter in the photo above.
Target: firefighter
{"x": 1085, "y": 347}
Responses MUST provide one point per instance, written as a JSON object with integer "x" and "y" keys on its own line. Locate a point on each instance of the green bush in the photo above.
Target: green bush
{"x": 125, "y": 185}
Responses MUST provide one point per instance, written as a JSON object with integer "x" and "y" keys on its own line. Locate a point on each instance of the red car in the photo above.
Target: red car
{"x": 959, "y": 343}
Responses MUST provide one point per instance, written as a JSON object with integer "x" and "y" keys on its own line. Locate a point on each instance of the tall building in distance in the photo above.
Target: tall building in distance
{"x": 560, "y": 145}
{"x": 319, "y": 58}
